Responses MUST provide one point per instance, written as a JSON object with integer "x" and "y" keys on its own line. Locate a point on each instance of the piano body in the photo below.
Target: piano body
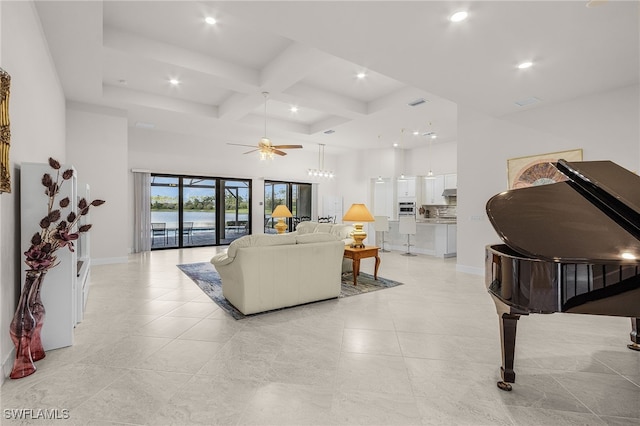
{"x": 571, "y": 246}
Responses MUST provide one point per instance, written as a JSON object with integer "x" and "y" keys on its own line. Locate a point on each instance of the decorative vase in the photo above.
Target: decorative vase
{"x": 21, "y": 330}
{"x": 38, "y": 311}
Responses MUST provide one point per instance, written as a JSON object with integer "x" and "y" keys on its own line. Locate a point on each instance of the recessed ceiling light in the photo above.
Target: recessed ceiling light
{"x": 293, "y": 108}
{"x": 525, "y": 65}
{"x": 459, "y": 16}
{"x": 416, "y": 133}
{"x": 210, "y": 20}
{"x": 395, "y": 144}
{"x": 174, "y": 81}
{"x": 361, "y": 75}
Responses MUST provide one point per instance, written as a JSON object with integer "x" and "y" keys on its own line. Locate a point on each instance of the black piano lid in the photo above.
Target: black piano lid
{"x": 590, "y": 218}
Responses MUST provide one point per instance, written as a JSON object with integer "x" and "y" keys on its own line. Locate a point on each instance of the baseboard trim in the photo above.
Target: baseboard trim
{"x": 108, "y": 260}
{"x": 469, "y": 269}
{"x": 7, "y": 365}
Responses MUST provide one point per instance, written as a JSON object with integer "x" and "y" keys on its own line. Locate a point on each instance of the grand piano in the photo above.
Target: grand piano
{"x": 571, "y": 246}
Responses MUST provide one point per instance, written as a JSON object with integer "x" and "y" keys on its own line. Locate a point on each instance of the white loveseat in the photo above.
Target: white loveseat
{"x": 264, "y": 272}
{"x": 339, "y": 230}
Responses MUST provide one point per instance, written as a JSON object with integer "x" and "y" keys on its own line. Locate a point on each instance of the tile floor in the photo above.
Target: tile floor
{"x": 154, "y": 350}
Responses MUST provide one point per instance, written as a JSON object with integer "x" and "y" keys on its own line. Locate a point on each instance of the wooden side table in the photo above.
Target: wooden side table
{"x": 355, "y": 254}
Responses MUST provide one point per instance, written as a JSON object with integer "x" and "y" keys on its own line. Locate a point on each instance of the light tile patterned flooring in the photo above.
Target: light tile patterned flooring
{"x": 153, "y": 349}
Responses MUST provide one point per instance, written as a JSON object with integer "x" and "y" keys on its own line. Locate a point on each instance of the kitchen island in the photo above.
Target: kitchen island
{"x": 434, "y": 237}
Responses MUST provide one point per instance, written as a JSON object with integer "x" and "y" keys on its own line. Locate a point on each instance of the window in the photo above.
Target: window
{"x": 193, "y": 211}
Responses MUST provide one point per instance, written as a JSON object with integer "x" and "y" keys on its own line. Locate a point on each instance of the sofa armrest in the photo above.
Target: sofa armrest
{"x": 221, "y": 259}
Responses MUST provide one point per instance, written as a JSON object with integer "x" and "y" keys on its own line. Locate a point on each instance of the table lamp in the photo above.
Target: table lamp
{"x": 358, "y": 213}
{"x": 280, "y": 212}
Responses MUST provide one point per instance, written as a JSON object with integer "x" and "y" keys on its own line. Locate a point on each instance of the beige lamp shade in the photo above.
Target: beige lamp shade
{"x": 280, "y": 212}
{"x": 358, "y": 213}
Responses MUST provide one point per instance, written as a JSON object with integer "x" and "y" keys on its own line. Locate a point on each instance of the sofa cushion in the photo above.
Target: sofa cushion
{"x": 259, "y": 240}
{"x": 324, "y": 227}
{"x": 317, "y": 237}
{"x": 306, "y": 227}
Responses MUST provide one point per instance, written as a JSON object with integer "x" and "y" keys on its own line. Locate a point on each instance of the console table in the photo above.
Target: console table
{"x": 355, "y": 254}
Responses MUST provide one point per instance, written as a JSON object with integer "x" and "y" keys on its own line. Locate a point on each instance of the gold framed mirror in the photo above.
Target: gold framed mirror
{"x": 5, "y": 132}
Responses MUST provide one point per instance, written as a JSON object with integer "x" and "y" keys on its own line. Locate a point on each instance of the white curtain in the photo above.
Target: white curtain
{"x": 142, "y": 211}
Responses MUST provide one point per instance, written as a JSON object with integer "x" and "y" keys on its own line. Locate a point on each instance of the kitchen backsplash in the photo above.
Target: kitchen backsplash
{"x": 438, "y": 211}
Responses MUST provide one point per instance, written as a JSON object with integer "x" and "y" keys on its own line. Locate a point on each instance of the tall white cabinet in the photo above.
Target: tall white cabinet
{"x": 64, "y": 288}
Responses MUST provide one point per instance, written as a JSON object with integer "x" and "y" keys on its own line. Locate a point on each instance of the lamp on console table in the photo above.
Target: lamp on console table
{"x": 280, "y": 212}
{"x": 358, "y": 213}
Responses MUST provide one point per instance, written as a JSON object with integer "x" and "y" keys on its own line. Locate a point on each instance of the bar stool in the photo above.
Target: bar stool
{"x": 381, "y": 224}
{"x": 407, "y": 226}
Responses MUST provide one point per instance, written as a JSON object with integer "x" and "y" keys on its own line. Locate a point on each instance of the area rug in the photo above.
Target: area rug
{"x": 207, "y": 278}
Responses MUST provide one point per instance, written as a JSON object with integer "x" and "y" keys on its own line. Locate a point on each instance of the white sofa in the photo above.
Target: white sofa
{"x": 339, "y": 230}
{"x": 264, "y": 272}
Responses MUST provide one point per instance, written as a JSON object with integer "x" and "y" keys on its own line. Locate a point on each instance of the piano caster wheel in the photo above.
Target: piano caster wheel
{"x": 504, "y": 386}
{"x": 634, "y": 346}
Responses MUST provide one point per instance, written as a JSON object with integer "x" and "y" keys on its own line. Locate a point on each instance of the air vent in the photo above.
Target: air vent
{"x": 528, "y": 101}
{"x": 417, "y": 102}
{"x": 144, "y": 125}
{"x": 328, "y": 132}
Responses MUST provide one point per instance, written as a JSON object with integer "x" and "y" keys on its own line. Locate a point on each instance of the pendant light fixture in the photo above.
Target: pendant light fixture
{"x": 401, "y": 148}
{"x": 320, "y": 172}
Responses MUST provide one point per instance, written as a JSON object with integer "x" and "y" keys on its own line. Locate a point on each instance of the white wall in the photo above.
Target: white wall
{"x": 97, "y": 148}
{"x": 37, "y": 114}
{"x": 605, "y": 126}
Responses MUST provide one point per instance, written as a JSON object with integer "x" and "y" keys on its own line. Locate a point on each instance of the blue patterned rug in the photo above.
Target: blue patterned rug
{"x": 207, "y": 278}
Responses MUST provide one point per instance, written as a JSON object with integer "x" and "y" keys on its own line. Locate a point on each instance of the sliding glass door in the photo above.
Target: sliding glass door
{"x": 297, "y": 198}
{"x": 198, "y": 212}
{"x": 165, "y": 215}
{"x": 193, "y": 211}
{"x": 236, "y": 210}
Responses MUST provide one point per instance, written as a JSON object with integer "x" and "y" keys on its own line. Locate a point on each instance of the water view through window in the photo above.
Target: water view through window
{"x": 189, "y": 211}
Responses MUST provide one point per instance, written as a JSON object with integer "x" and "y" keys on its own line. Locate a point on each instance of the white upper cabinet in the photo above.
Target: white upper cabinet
{"x": 432, "y": 191}
{"x": 406, "y": 189}
{"x": 450, "y": 181}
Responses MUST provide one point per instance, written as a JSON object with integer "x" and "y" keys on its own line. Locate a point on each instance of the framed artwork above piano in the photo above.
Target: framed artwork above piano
{"x": 536, "y": 170}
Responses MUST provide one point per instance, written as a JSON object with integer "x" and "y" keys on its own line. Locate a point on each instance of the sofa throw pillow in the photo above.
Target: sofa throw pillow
{"x": 315, "y": 238}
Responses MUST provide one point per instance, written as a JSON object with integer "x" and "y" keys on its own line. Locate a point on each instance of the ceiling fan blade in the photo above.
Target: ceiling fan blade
{"x": 276, "y": 151}
{"x": 286, "y": 146}
{"x": 253, "y": 150}
{"x": 241, "y": 144}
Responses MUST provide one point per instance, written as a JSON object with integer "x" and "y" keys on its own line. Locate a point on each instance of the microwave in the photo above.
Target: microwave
{"x": 406, "y": 209}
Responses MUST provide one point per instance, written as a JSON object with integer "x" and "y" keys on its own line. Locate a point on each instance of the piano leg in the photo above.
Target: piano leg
{"x": 635, "y": 337}
{"x": 508, "y": 325}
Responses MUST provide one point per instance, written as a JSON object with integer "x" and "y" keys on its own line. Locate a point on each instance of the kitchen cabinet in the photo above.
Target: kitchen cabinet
{"x": 432, "y": 191}
{"x": 450, "y": 181}
{"x": 406, "y": 189}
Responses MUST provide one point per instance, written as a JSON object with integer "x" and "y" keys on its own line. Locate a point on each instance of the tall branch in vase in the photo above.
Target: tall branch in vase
{"x": 56, "y": 231}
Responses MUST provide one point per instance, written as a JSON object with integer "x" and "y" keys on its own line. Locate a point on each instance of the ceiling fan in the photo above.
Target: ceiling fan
{"x": 265, "y": 147}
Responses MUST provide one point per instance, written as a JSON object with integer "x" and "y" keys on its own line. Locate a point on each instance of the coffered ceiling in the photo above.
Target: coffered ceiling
{"x": 307, "y": 54}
